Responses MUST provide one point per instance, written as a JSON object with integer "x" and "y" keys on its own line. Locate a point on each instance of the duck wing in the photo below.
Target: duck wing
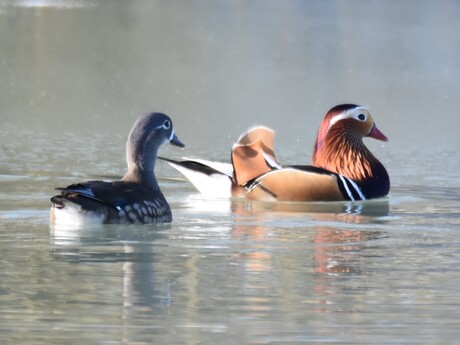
{"x": 303, "y": 183}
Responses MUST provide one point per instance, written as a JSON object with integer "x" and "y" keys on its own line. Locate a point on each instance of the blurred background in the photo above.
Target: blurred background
{"x": 219, "y": 67}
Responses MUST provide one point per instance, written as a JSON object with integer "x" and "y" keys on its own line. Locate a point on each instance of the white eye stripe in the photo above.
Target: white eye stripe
{"x": 337, "y": 118}
{"x": 172, "y": 135}
{"x": 167, "y": 124}
{"x": 348, "y": 114}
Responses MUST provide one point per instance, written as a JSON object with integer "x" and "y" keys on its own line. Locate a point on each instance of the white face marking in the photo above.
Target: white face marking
{"x": 352, "y": 113}
{"x": 167, "y": 124}
{"x": 172, "y": 135}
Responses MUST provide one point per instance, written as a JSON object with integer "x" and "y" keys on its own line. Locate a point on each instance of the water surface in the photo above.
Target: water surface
{"x": 76, "y": 74}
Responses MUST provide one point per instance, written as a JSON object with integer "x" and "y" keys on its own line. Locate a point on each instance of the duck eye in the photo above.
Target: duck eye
{"x": 361, "y": 117}
{"x": 167, "y": 124}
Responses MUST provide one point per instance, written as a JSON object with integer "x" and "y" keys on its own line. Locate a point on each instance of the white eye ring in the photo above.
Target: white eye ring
{"x": 167, "y": 124}
{"x": 361, "y": 117}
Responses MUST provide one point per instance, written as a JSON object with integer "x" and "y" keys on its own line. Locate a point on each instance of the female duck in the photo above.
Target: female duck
{"x": 136, "y": 198}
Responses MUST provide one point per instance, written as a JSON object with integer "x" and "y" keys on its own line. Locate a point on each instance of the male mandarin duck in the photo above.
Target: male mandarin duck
{"x": 136, "y": 198}
{"x": 343, "y": 168}
{"x": 217, "y": 179}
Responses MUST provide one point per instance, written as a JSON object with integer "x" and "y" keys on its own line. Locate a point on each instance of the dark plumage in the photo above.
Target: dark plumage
{"x": 136, "y": 198}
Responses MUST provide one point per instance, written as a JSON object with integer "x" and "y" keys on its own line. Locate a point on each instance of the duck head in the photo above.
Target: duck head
{"x": 148, "y": 133}
{"x": 339, "y": 145}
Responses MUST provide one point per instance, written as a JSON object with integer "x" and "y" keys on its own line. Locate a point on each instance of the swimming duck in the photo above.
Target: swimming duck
{"x": 216, "y": 179}
{"x": 136, "y": 198}
{"x": 342, "y": 167}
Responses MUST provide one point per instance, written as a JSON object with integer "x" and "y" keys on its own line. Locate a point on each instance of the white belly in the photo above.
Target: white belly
{"x": 73, "y": 216}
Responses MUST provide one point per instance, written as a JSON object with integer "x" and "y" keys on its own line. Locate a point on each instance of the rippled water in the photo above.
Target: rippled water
{"x": 225, "y": 271}
{"x": 75, "y": 76}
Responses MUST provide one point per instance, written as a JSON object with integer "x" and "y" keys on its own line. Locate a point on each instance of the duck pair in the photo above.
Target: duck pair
{"x": 342, "y": 169}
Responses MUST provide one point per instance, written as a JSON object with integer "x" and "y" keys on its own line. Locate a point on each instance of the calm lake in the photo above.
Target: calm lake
{"x": 74, "y": 76}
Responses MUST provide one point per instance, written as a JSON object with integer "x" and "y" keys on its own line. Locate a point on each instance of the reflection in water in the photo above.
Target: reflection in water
{"x": 340, "y": 251}
{"x": 229, "y": 271}
{"x": 131, "y": 246}
{"x": 336, "y": 249}
{"x": 349, "y": 212}
{"x": 259, "y": 255}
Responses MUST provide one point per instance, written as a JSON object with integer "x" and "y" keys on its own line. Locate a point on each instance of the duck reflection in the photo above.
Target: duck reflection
{"x": 337, "y": 233}
{"x": 130, "y": 246}
{"x": 271, "y": 247}
{"x": 350, "y": 212}
{"x": 337, "y": 243}
{"x": 340, "y": 251}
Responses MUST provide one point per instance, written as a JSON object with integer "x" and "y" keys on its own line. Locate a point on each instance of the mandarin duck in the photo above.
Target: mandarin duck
{"x": 342, "y": 167}
{"x": 136, "y": 198}
{"x": 216, "y": 179}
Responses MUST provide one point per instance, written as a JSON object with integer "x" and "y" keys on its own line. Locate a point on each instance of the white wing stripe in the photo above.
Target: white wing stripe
{"x": 355, "y": 186}
{"x": 271, "y": 161}
{"x": 350, "y": 195}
